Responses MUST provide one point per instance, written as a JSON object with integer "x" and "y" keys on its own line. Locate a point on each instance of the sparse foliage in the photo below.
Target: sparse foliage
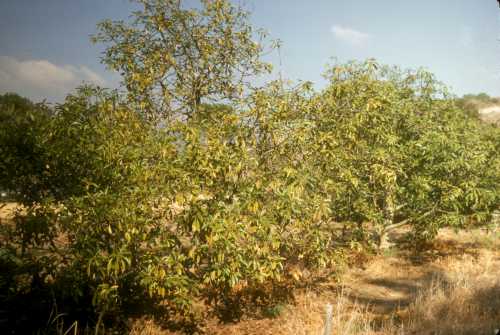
{"x": 173, "y": 58}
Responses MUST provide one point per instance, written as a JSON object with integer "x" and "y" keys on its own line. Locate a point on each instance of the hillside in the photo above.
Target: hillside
{"x": 482, "y": 105}
{"x": 490, "y": 114}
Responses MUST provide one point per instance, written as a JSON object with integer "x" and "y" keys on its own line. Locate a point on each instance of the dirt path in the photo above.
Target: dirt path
{"x": 391, "y": 283}
{"x": 388, "y": 284}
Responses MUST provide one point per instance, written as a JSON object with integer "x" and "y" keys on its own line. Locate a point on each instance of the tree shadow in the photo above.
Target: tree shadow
{"x": 385, "y": 296}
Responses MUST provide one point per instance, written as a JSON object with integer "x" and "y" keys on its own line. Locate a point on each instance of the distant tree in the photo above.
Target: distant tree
{"x": 20, "y": 126}
{"x": 174, "y": 58}
{"x": 14, "y": 102}
{"x": 483, "y": 97}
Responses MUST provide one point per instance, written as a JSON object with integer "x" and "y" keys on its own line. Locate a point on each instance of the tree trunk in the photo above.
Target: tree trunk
{"x": 383, "y": 242}
{"x": 389, "y": 212}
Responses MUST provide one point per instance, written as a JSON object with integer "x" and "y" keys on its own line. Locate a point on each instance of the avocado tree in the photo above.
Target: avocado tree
{"x": 397, "y": 152}
{"x": 23, "y": 162}
{"x": 173, "y": 58}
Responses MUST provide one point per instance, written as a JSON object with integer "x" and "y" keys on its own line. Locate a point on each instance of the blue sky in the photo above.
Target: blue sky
{"x": 45, "y": 50}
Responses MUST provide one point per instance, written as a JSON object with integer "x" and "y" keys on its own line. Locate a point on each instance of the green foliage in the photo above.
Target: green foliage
{"x": 173, "y": 58}
{"x": 397, "y": 151}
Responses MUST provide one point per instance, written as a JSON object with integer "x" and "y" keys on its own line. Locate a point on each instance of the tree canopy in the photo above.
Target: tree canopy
{"x": 174, "y": 58}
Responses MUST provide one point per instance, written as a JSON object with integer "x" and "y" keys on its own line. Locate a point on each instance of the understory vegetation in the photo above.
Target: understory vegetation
{"x": 192, "y": 187}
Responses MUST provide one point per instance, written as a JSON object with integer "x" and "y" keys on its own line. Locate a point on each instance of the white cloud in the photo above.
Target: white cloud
{"x": 349, "y": 35}
{"x": 41, "y": 79}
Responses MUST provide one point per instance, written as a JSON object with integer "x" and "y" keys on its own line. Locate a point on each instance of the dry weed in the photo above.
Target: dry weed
{"x": 465, "y": 301}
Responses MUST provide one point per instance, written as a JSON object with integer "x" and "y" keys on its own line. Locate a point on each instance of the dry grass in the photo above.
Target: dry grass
{"x": 453, "y": 290}
{"x": 461, "y": 299}
{"x": 305, "y": 317}
{"x": 466, "y": 300}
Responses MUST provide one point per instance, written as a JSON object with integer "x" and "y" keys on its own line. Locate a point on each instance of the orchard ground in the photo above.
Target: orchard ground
{"x": 491, "y": 113}
{"x": 453, "y": 288}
